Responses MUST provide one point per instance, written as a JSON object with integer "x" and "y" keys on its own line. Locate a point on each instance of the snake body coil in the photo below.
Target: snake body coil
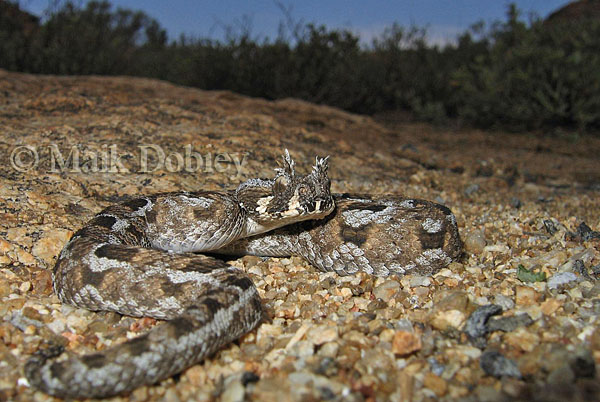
{"x": 138, "y": 258}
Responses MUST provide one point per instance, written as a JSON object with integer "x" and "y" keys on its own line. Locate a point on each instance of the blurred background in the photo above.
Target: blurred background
{"x": 526, "y": 65}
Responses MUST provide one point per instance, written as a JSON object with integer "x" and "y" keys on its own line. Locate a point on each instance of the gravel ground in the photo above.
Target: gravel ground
{"x": 516, "y": 318}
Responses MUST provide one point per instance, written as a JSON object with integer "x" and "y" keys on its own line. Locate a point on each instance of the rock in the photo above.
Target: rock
{"x": 508, "y": 324}
{"x": 561, "y": 375}
{"x": 25, "y": 287}
{"x": 436, "y": 384}
{"x": 25, "y": 258}
{"x": 471, "y": 189}
{"x": 386, "y": 290}
{"x": 436, "y": 367}
{"x": 504, "y": 301}
{"x": 522, "y": 339}
{"x": 322, "y": 334}
{"x": 515, "y": 202}
{"x": 248, "y": 377}
{"x": 550, "y": 227}
{"x": 329, "y": 349}
{"x": 580, "y": 269}
{"x": 526, "y": 296}
{"x": 49, "y": 246}
{"x": 455, "y": 300}
{"x": 487, "y": 394}
{"x": 19, "y": 235}
{"x": 584, "y": 233}
{"x": 513, "y": 387}
{"x": 496, "y": 365}
{"x": 561, "y": 279}
{"x": 549, "y": 306}
{"x": 476, "y": 327}
{"x": 234, "y": 390}
{"x": 475, "y": 242}
{"x": 419, "y": 280}
{"x": 446, "y": 319}
{"x": 582, "y": 362}
{"x": 405, "y": 343}
{"x": 497, "y": 248}
{"x": 301, "y": 349}
{"x": 5, "y": 246}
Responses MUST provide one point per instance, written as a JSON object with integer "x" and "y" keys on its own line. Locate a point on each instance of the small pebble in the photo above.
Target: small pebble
{"x": 561, "y": 279}
{"x": 386, "y": 290}
{"x": 435, "y": 383}
{"x": 526, "y": 296}
{"x": 471, "y": 189}
{"x": 510, "y": 323}
{"x": 515, "y": 202}
{"x": 504, "y": 301}
{"x": 496, "y": 365}
{"x": 475, "y": 242}
{"x": 476, "y": 326}
{"x": 550, "y": 227}
{"x": 405, "y": 343}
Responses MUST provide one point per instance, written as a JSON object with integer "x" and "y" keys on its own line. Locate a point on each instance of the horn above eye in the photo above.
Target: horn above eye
{"x": 281, "y": 184}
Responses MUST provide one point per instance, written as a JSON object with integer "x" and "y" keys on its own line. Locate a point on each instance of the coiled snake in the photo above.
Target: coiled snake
{"x": 138, "y": 258}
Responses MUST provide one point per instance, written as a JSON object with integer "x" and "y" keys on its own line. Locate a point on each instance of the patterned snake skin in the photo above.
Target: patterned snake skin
{"x": 137, "y": 258}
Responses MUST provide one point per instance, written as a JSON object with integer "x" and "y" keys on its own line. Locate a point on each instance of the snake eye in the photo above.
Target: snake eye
{"x": 303, "y": 191}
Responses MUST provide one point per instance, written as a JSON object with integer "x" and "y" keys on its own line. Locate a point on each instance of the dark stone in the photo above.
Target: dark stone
{"x": 326, "y": 367}
{"x": 583, "y": 364}
{"x": 583, "y": 233}
{"x": 586, "y": 233}
{"x": 550, "y": 227}
{"x": 249, "y": 377}
{"x": 508, "y": 324}
{"x": 596, "y": 271}
{"x": 579, "y": 268}
{"x": 471, "y": 189}
{"x": 495, "y": 364}
{"x": 437, "y": 368}
{"x": 326, "y": 393}
{"x": 476, "y": 326}
{"x": 515, "y": 202}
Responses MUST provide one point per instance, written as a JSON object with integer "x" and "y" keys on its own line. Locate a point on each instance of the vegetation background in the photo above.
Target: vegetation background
{"x": 512, "y": 74}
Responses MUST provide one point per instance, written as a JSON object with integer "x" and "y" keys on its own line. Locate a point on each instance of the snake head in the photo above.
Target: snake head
{"x": 287, "y": 198}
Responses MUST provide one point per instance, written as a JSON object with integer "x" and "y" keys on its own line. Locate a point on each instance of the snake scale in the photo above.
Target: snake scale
{"x": 138, "y": 258}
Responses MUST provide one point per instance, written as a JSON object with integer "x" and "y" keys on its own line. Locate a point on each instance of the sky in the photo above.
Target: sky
{"x": 367, "y": 18}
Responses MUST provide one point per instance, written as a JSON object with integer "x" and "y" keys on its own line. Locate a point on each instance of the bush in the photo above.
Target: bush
{"x": 514, "y": 75}
{"x": 534, "y": 77}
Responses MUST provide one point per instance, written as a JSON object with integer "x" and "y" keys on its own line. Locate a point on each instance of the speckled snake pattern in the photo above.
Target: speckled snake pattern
{"x": 140, "y": 258}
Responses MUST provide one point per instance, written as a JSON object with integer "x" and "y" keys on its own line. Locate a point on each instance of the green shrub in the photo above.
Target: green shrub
{"x": 513, "y": 75}
{"x": 534, "y": 77}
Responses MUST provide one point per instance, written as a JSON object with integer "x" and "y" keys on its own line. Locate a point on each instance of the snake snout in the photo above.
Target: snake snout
{"x": 320, "y": 205}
